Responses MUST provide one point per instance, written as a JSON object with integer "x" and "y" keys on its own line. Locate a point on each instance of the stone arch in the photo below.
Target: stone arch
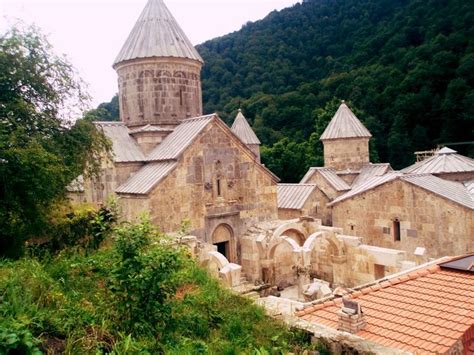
{"x": 146, "y": 74}
{"x": 325, "y": 249}
{"x": 284, "y": 255}
{"x": 215, "y": 262}
{"x": 292, "y": 226}
{"x": 310, "y": 243}
{"x": 296, "y": 235}
{"x": 179, "y": 74}
{"x": 290, "y": 242}
{"x": 165, "y": 73}
{"x": 223, "y": 239}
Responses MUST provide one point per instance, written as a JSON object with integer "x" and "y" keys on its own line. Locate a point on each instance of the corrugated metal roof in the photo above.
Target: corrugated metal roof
{"x": 470, "y": 187}
{"x": 450, "y": 190}
{"x": 345, "y": 124}
{"x": 371, "y": 170}
{"x": 242, "y": 129}
{"x": 146, "y": 178}
{"x": 454, "y": 191}
{"x": 329, "y": 175}
{"x": 370, "y": 184}
{"x": 294, "y": 196}
{"x": 309, "y": 174}
{"x": 157, "y": 34}
{"x": 183, "y": 135}
{"x": 444, "y": 161}
{"x": 124, "y": 147}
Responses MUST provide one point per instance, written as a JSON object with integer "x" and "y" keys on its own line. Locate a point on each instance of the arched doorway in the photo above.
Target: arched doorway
{"x": 223, "y": 239}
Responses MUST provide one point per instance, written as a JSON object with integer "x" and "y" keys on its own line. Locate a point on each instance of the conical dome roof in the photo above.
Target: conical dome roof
{"x": 242, "y": 129}
{"x": 157, "y": 34}
{"x": 445, "y": 160}
{"x": 345, "y": 124}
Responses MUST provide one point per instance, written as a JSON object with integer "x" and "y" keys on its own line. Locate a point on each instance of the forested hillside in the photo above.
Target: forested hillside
{"x": 406, "y": 66}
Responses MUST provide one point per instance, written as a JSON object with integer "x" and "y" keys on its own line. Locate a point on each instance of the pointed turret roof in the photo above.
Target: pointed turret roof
{"x": 345, "y": 124}
{"x": 242, "y": 129}
{"x": 157, "y": 34}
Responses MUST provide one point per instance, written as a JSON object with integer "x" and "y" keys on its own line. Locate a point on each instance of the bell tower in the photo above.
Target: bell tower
{"x": 346, "y": 141}
{"x": 159, "y": 72}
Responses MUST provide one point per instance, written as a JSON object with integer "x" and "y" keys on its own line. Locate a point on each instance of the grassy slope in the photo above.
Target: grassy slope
{"x": 65, "y": 304}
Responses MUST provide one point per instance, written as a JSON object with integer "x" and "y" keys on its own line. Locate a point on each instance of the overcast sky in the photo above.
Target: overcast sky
{"x": 91, "y": 32}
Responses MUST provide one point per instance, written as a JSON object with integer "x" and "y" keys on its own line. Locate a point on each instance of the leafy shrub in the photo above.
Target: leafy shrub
{"x": 82, "y": 228}
{"x": 15, "y": 338}
{"x": 144, "y": 278}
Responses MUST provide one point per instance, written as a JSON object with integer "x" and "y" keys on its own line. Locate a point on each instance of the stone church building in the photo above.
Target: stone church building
{"x": 348, "y": 222}
{"x": 168, "y": 159}
{"x": 426, "y": 209}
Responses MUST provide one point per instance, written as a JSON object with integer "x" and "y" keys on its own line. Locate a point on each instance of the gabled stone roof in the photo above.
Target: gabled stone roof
{"x": 164, "y": 158}
{"x": 329, "y": 175}
{"x": 147, "y": 178}
{"x": 345, "y": 124}
{"x": 294, "y": 196}
{"x": 450, "y": 190}
{"x": 177, "y": 142}
{"x": 242, "y": 129}
{"x": 370, "y": 170}
{"x": 421, "y": 311}
{"x": 445, "y": 160}
{"x": 157, "y": 34}
{"x": 124, "y": 148}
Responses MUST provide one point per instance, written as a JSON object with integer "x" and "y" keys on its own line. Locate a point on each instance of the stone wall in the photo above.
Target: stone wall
{"x": 315, "y": 206}
{"x": 112, "y": 175}
{"x": 327, "y": 254}
{"x": 343, "y": 154}
{"x": 217, "y": 182}
{"x": 426, "y": 220}
{"x": 159, "y": 91}
{"x": 149, "y": 140}
{"x": 324, "y": 186}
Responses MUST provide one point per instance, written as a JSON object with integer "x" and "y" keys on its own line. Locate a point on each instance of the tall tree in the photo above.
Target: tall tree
{"x": 41, "y": 149}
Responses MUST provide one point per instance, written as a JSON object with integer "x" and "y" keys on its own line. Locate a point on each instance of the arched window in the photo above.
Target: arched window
{"x": 218, "y": 183}
{"x": 396, "y": 230}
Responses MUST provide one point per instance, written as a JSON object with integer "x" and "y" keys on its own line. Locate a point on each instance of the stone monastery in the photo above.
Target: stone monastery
{"x": 345, "y": 224}
{"x": 173, "y": 162}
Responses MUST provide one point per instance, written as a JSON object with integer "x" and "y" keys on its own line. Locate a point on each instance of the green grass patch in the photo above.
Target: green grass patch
{"x": 140, "y": 295}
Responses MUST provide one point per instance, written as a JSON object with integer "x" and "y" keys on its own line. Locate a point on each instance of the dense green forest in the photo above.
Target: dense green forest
{"x": 406, "y": 65}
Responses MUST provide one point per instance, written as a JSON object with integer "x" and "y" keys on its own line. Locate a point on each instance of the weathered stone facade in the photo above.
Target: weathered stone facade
{"x": 315, "y": 206}
{"x": 425, "y": 220}
{"x": 217, "y": 182}
{"x": 348, "y": 153}
{"x": 99, "y": 189}
{"x": 174, "y": 165}
{"x": 285, "y": 252}
{"x": 159, "y": 91}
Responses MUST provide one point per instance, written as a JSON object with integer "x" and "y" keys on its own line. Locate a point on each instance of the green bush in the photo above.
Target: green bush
{"x": 83, "y": 228}
{"x": 143, "y": 279}
{"x": 15, "y": 338}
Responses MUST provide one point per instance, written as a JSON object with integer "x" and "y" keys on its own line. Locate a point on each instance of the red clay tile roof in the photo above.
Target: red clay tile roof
{"x": 426, "y": 311}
